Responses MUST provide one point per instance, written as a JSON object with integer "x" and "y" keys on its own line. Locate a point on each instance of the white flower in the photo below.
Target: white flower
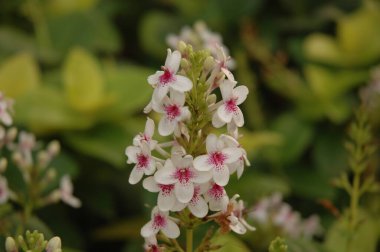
{"x": 217, "y": 159}
{"x": 151, "y": 245}
{"x": 160, "y": 221}
{"x": 66, "y": 192}
{"x": 180, "y": 172}
{"x": 224, "y": 62}
{"x": 237, "y": 166}
{"x": 140, "y": 156}
{"x": 4, "y": 191}
{"x": 147, "y": 135}
{"x": 311, "y": 226}
{"x": 174, "y": 112}
{"x": 166, "y": 198}
{"x": 5, "y": 117}
{"x": 26, "y": 143}
{"x": 197, "y": 205}
{"x": 163, "y": 80}
{"x": 229, "y": 110}
{"x": 237, "y": 222}
{"x": 217, "y": 197}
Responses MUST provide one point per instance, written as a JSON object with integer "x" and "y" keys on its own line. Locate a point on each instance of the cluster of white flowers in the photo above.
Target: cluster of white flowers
{"x": 273, "y": 211}
{"x": 22, "y": 147}
{"x": 181, "y": 178}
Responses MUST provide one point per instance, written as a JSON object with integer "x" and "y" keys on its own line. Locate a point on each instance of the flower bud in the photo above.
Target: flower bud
{"x": 51, "y": 175}
{"x": 10, "y": 245}
{"x": 43, "y": 159}
{"x": 182, "y": 47}
{"x": 54, "y": 148}
{"x": 185, "y": 64}
{"x": 11, "y": 134}
{"x": 211, "y": 99}
{"x": 209, "y": 63}
{"x": 54, "y": 245}
{"x": 3, "y": 164}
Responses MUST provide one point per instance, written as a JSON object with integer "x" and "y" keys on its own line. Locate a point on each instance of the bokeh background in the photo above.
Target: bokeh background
{"x": 304, "y": 62}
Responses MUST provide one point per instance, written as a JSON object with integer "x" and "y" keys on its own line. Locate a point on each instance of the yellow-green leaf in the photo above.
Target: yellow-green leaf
{"x": 83, "y": 81}
{"x": 63, "y": 7}
{"x": 19, "y": 74}
{"x": 230, "y": 243}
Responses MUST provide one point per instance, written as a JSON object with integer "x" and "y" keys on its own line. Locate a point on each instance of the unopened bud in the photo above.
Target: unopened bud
{"x": 51, "y": 175}
{"x": 211, "y": 99}
{"x": 11, "y": 134}
{"x": 10, "y": 245}
{"x": 17, "y": 157}
{"x": 54, "y": 147}
{"x": 209, "y": 63}
{"x": 182, "y": 47}
{"x": 54, "y": 245}
{"x": 185, "y": 64}
{"x": 43, "y": 159}
{"x": 3, "y": 164}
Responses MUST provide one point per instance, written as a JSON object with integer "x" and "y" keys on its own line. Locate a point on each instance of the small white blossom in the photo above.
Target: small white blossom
{"x": 229, "y": 110}
{"x": 4, "y": 191}
{"x": 237, "y": 223}
{"x": 151, "y": 245}
{"x": 54, "y": 245}
{"x": 66, "y": 192}
{"x": 216, "y": 159}
{"x": 173, "y": 112}
{"x": 5, "y": 107}
{"x": 197, "y": 205}
{"x": 237, "y": 166}
{"x": 147, "y": 136}
{"x": 180, "y": 172}
{"x": 167, "y": 79}
{"x": 141, "y": 156}
{"x": 160, "y": 220}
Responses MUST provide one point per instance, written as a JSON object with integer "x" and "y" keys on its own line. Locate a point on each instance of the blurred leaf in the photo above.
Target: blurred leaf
{"x": 90, "y": 29}
{"x": 254, "y": 141}
{"x": 128, "y": 84}
{"x": 301, "y": 245}
{"x": 63, "y": 7}
{"x": 296, "y": 134}
{"x": 45, "y": 111}
{"x": 83, "y": 81}
{"x": 278, "y": 245}
{"x": 106, "y": 142}
{"x": 154, "y": 28}
{"x": 229, "y": 243}
{"x": 122, "y": 230}
{"x": 327, "y": 84}
{"x": 19, "y": 74}
{"x": 364, "y": 238}
{"x": 310, "y": 183}
{"x": 13, "y": 40}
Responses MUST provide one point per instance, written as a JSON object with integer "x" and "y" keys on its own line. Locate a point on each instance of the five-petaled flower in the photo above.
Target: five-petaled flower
{"x": 167, "y": 78}
{"x": 160, "y": 220}
{"x": 141, "y": 156}
{"x": 217, "y": 159}
{"x": 147, "y": 136}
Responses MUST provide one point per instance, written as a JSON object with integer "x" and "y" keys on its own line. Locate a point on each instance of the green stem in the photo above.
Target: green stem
{"x": 189, "y": 240}
{"x": 353, "y": 208}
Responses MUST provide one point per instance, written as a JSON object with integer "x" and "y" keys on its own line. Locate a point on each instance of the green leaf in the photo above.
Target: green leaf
{"x": 13, "y": 40}
{"x": 19, "y": 74}
{"x": 229, "y": 243}
{"x": 301, "y": 245}
{"x": 105, "y": 142}
{"x": 83, "y": 81}
{"x": 128, "y": 85}
{"x": 91, "y": 30}
{"x": 64, "y": 7}
{"x": 296, "y": 133}
{"x": 154, "y": 28}
{"x": 123, "y": 229}
{"x": 45, "y": 111}
{"x": 364, "y": 237}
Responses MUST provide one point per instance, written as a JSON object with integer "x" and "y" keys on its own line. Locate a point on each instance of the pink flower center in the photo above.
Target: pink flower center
{"x": 231, "y": 106}
{"x": 166, "y": 189}
{"x": 217, "y": 159}
{"x": 216, "y": 191}
{"x": 142, "y": 160}
{"x": 166, "y": 77}
{"x": 145, "y": 137}
{"x": 184, "y": 175}
{"x": 159, "y": 221}
{"x": 172, "y": 111}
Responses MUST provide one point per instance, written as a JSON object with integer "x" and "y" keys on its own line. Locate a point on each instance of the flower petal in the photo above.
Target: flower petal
{"x": 173, "y": 60}
{"x": 199, "y": 208}
{"x": 221, "y": 175}
{"x": 240, "y": 93}
{"x": 181, "y": 84}
{"x": 147, "y": 230}
{"x": 201, "y": 163}
{"x": 149, "y": 128}
{"x": 171, "y": 230}
{"x": 232, "y": 154}
{"x": 159, "y": 94}
{"x": 150, "y": 184}
{"x": 238, "y": 118}
{"x": 226, "y": 88}
{"x": 135, "y": 176}
{"x": 155, "y": 78}
{"x": 131, "y": 152}
{"x": 166, "y": 127}
{"x": 224, "y": 114}
{"x": 184, "y": 192}
{"x": 177, "y": 97}
{"x": 165, "y": 175}
{"x": 211, "y": 143}
{"x": 165, "y": 202}
{"x": 216, "y": 121}
{"x": 202, "y": 176}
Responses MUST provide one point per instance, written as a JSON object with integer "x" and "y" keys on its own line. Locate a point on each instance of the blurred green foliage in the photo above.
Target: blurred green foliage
{"x": 78, "y": 69}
